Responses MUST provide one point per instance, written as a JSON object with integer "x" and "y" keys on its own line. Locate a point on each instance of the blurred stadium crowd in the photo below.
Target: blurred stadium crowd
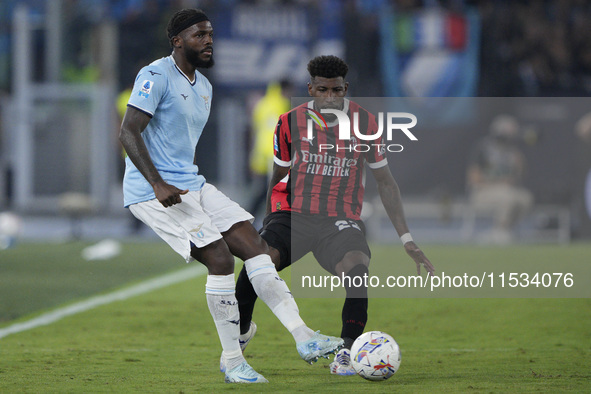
{"x": 535, "y": 48}
{"x": 528, "y": 47}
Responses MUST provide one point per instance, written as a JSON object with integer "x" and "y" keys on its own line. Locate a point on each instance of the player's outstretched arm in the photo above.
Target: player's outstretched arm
{"x": 134, "y": 123}
{"x": 392, "y": 201}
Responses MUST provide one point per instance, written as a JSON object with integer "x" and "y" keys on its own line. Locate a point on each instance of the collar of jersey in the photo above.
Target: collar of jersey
{"x": 336, "y": 122}
{"x": 182, "y": 73}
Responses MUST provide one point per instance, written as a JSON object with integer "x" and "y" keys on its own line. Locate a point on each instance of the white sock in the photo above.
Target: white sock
{"x": 221, "y": 300}
{"x": 302, "y": 333}
{"x": 275, "y": 293}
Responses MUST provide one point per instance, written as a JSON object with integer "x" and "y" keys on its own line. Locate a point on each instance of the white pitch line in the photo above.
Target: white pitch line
{"x": 93, "y": 302}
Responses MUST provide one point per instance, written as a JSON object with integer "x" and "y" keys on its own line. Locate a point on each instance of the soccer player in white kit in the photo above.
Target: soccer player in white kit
{"x": 167, "y": 111}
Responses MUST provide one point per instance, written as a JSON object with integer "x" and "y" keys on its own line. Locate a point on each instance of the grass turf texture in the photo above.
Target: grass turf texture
{"x": 37, "y": 276}
{"x": 165, "y": 341}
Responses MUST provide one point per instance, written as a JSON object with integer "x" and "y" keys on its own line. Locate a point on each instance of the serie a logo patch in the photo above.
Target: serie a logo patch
{"x": 146, "y": 88}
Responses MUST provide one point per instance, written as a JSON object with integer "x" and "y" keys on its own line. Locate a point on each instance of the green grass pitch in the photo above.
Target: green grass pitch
{"x": 165, "y": 341}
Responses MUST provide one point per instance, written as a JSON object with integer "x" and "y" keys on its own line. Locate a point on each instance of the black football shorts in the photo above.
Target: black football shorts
{"x": 328, "y": 238}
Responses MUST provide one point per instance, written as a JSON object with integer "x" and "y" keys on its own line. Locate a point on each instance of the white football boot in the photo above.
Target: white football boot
{"x": 244, "y": 340}
{"x": 342, "y": 364}
{"x": 244, "y": 373}
{"x": 318, "y": 346}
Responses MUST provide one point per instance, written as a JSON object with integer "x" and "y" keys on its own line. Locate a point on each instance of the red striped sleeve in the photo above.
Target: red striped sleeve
{"x": 282, "y": 142}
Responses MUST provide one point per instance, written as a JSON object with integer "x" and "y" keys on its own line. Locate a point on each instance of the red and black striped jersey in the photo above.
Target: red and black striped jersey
{"x": 327, "y": 175}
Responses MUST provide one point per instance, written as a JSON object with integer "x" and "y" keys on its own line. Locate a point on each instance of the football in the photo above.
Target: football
{"x": 375, "y": 355}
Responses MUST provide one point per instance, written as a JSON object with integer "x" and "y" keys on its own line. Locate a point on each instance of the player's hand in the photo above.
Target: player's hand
{"x": 167, "y": 194}
{"x": 419, "y": 258}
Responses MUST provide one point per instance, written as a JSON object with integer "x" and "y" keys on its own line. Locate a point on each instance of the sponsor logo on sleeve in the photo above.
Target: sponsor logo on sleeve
{"x": 146, "y": 88}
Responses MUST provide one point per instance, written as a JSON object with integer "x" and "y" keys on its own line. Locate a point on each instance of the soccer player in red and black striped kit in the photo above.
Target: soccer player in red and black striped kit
{"x": 315, "y": 198}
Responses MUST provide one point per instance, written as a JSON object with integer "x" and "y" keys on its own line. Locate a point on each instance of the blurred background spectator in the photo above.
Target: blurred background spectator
{"x": 582, "y": 201}
{"x": 265, "y": 115}
{"x": 495, "y": 176}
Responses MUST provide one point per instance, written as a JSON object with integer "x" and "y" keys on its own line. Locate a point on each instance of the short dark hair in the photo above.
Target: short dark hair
{"x": 179, "y": 19}
{"x": 327, "y": 67}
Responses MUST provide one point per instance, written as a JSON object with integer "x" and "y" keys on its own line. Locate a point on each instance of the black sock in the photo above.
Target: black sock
{"x": 246, "y": 297}
{"x": 355, "y": 308}
{"x": 348, "y": 342}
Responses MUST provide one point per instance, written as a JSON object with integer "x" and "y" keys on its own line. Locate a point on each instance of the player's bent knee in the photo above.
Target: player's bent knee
{"x": 244, "y": 241}
{"x": 351, "y": 260}
{"x": 220, "y": 265}
{"x": 216, "y": 257}
{"x": 276, "y": 258}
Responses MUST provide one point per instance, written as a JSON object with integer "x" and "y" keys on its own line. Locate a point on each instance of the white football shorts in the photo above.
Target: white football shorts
{"x": 200, "y": 218}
